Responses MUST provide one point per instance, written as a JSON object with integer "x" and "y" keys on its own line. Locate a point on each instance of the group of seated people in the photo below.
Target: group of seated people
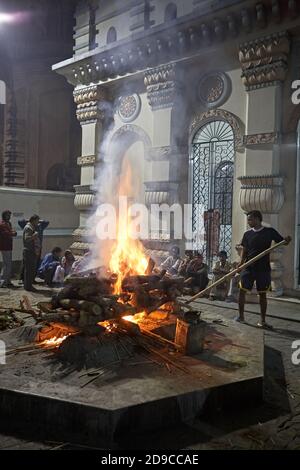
{"x": 55, "y": 266}
{"x": 195, "y": 271}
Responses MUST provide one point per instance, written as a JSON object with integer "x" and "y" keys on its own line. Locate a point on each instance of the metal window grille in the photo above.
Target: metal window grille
{"x": 212, "y": 169}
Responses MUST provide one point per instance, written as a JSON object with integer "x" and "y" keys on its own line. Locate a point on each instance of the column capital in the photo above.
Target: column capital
{"x": 264, "y": 61}
{"x": 162, "y": 86}
{"x": 89, "y": 102}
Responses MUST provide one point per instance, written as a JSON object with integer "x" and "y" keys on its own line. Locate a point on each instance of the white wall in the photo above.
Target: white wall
{"x": 55, "y": 206}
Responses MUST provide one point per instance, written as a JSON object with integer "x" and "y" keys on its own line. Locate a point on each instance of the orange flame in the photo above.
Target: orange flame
{"x": 55, "y": 341}
{"x": 128, "y": 256}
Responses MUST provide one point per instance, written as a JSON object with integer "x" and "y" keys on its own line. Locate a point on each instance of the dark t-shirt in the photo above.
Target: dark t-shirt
{"x": 255, "y": 242}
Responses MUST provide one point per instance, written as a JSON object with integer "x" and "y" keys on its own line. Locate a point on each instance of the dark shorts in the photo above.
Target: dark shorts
{"x": 262, "y": 280}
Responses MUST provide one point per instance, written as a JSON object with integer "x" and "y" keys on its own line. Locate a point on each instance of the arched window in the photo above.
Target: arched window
{"x": 171, "y": 12}
{"x": 211, "y": 188}
{"x": 111, "y": 35}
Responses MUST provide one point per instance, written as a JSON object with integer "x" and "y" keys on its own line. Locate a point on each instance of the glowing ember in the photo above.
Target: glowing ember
{"x": 108, "y": 325}
{"x": 55, "y": 341}
{"x": 128, "y": 256}
{"x": 135, "y": 318}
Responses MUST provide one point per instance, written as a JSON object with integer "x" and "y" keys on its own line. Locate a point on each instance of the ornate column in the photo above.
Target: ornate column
{"x": 163, "y": 87}
{"x": 90, "y": 113}
{"x": 13, "y": 172}
{"x": 264, "y": 64}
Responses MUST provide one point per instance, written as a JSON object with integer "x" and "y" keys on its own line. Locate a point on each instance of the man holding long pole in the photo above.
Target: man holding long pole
{"x": 255, "y": 241}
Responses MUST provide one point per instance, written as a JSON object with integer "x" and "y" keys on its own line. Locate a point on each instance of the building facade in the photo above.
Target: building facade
{"x": 196, "y": 96}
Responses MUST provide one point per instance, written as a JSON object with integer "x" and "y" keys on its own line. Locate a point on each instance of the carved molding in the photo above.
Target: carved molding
{"x": 264, "y": 193}
{"x": 84, "y": 197}
{"x": 90, "y": 102}
{"x": 161, "y": 86}
{"x": 264, "y": 61}
{"x": 86, "y": 160}
{"x": 201, "y": 119}
{"x": 90, "y": 93}
{"x": 261, "y": 139}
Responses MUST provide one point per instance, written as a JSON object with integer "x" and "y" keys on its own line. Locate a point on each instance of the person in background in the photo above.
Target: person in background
{"x": 197, "y": 273}
{"x": 31, "y": 251}
{"x": 220, "y": 269}
{"x": 6, "y": 246}
{"x": 42, "y": 225}
{"x": 233, "y": 292}
{"x": 173, "y": 262}
{"x": 188, "y": 256}
{"x": 49, "y": 264}
{"x": 64, "y": 269}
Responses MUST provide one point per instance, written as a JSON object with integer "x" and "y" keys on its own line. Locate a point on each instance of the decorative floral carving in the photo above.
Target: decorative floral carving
{"x": 213, "y": 89}
{"x": 260, "y": 139}
{"x": 213, "y": 114}
{"x": 86, "y": 160}
{"x": 129, "y": 107}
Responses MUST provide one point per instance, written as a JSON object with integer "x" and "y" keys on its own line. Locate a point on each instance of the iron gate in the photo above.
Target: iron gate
{"x": 212, "y": 168}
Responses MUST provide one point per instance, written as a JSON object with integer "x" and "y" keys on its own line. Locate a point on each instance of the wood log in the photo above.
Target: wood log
{"x": 90, "y": 307}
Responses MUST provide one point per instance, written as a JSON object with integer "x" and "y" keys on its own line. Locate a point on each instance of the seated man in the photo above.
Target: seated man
{"x": 220, "y": 269}
{"x": 173, "y": 262}
{"x": 197, "y": 273}
{"x": 49, "y": 264}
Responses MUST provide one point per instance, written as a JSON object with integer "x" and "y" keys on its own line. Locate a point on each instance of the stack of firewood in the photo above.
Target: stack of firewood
{"x": 85, "y": 301}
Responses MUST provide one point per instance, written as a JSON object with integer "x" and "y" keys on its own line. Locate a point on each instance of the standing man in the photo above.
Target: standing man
{"x": 255, "y": 241}
{"x": 43, "y": 224}
{"x": 31, "y": 251}
{"x": 6, "y": 246}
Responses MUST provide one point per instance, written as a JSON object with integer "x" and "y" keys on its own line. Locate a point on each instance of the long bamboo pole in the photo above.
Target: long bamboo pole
{"x": 234, "y": 272}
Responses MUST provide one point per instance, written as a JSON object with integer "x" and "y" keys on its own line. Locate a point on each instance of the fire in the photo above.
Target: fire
{"x": 128, "y": 256}
{"x": 55, "y": 341}
{"x": 135, "y": 318}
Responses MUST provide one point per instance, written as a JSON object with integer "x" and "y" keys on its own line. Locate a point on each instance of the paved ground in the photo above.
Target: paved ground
{"x": 274, "y": 425}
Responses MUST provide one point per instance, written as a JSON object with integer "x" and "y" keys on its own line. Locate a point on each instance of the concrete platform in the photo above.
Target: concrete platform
{"x": 133, "y": 399}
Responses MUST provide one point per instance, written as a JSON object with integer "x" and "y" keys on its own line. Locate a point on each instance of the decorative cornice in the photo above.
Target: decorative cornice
{"x": 86, "y": 160}
{"x": 261, "y": 139}
{"x": 187, "y": 36}
{"x": 264, "y": 60}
